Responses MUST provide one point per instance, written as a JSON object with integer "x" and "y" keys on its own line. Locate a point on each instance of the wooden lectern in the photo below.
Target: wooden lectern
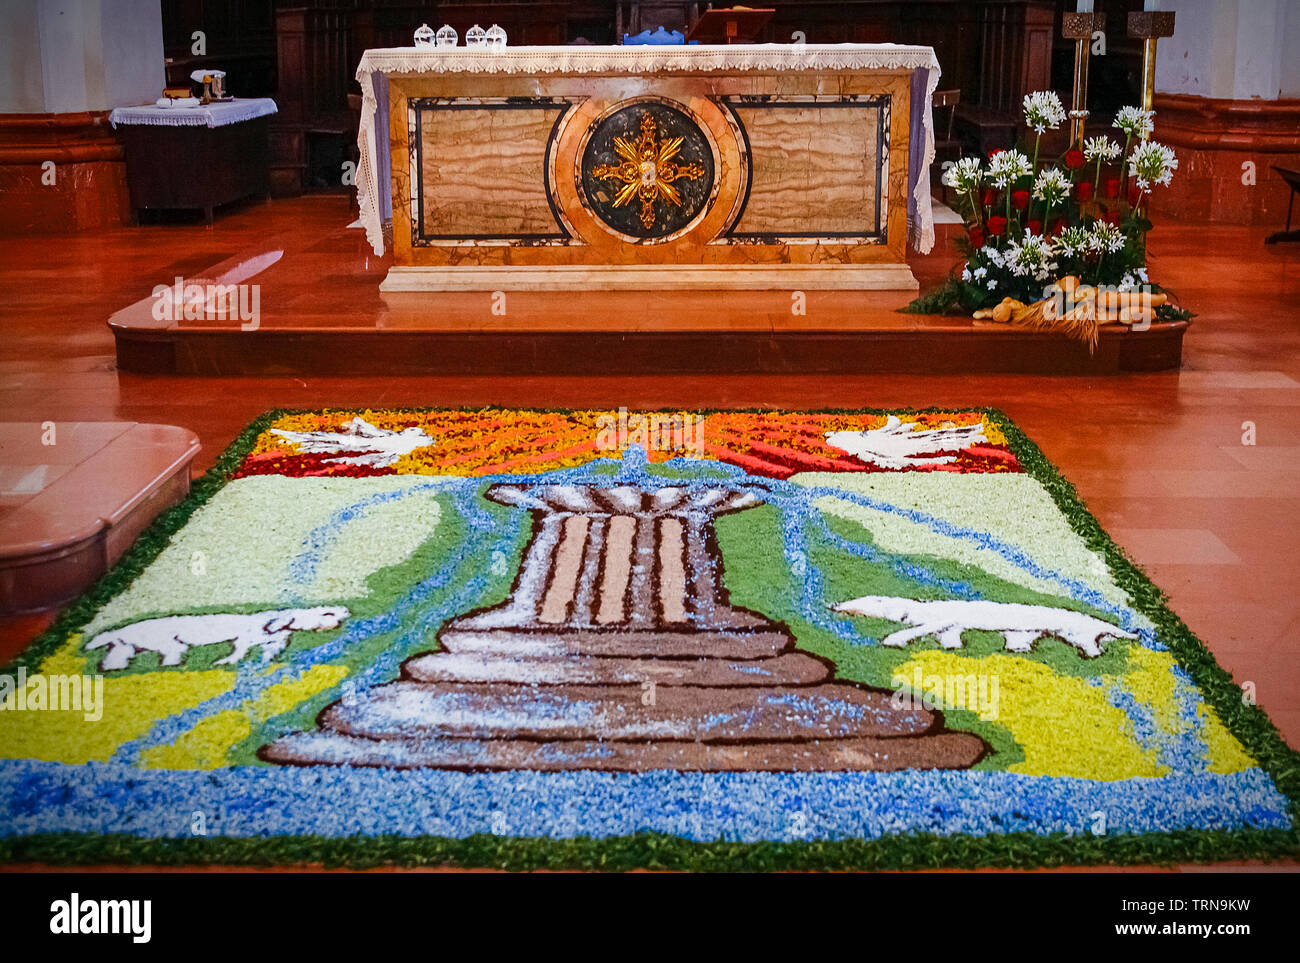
{"x": 732, "y": 25}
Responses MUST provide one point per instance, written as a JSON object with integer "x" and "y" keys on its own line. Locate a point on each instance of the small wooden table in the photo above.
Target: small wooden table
{"x": 199, "y": 157}
{"x": 1292, "y": 178}
{"x": 68, "y": 510}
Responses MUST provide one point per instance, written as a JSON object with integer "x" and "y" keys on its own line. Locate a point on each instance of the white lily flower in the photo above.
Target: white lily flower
{"x": 964, "y": 176}
{"x": 1152, "y": 162}
{"x": 1134, "y": 121}
{"x": 1008, "y": 167}
{"x": 1031, "y": 255}
{"x": 1051, "y": 185}
{"x": 1073, "y": 241}
{"x": 1102, "y": 148}
{"x": 1043, "y": 111}
{"x": 1106, "y": 238}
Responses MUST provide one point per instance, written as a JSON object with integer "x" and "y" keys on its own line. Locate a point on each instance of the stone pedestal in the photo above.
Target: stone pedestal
{"x": 618, "y": 649}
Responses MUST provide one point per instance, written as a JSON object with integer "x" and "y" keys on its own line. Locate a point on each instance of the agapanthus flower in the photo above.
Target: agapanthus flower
{"x": 992, "y": 255}
{"x": 1105, "y": 238}
{"x": 964, "y": 176}
{"x": 1074, "y": 241}
{"x": 1134, "y": 121}
{"x": 1051, "y": 185}
{"x": 1152, "y": 163}
{"x": 1101, "y": 148}
{"x": 1008, "y": 167}
{"x": 1032, "y": 255}
{"x": 1043, "y": 111}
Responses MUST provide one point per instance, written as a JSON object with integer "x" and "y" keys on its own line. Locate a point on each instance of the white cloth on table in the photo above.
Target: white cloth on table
{"x": 212, "y": 115}
{"x": 374, "y": 185}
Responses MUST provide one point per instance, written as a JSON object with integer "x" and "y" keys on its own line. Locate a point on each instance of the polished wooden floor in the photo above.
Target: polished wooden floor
{"x": 1158, "y": 457}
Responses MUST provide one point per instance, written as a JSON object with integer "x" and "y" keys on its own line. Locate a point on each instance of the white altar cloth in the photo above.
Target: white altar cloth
{"x": 210, "y": 115}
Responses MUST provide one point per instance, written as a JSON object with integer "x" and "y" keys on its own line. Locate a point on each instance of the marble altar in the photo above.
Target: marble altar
{"x": 766, "y": 166}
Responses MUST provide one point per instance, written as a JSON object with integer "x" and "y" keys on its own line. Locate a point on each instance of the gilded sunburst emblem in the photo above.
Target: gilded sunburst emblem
{"x": 647, "y": 170}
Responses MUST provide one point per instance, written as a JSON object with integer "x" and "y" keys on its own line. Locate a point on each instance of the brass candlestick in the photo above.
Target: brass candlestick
{"x": 1080, "y": 27}
{"x": 1149, "y": 26}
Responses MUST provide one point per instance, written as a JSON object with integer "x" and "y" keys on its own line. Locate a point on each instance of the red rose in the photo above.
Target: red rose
{"x": 1019, "y": 200}
{"x": 1083, "y": 191}
{"x": 1112, "y": 187}
{"x": 995, "y": 152}
{"x": 997, "y": 226}
{"x": 1074, "y": 159}
{"x": 1134, "y": 195}
{"x": 1058, "y": 226}
{"x": 976, "y": 237}
{"x": 990, "y": 195}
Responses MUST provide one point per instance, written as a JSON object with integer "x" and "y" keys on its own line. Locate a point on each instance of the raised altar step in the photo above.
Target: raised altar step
{"x": 613, "y": 333}
{"x": 321, "y": 313}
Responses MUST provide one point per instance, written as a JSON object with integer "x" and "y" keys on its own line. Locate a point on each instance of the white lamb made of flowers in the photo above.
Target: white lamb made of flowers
{"x": 1021, "y": 625}
{"x": 174, "y": 635}
{"x": 363, "y": 443}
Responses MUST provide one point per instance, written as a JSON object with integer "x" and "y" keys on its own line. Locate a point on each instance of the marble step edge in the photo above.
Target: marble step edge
{"x": 881, "y": 276}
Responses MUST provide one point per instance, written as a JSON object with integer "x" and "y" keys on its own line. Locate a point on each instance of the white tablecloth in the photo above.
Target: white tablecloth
{"x": 374, "y": 183}
{"x": 212, "y": 115}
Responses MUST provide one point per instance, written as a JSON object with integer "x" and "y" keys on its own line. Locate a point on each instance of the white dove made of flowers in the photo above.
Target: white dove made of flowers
{"x": 359, "y": 443}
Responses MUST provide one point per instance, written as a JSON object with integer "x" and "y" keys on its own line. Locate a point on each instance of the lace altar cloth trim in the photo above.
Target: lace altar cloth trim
{"x": 584, "y": 59}
{"x": 213, "y": 115}
{"x": 373, "y": 193}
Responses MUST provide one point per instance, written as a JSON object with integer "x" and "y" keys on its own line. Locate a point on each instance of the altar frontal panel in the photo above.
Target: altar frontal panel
{"x": 481, "y": 166}
{"x": 804, "y": 170}
{"x": 818, "y": 168}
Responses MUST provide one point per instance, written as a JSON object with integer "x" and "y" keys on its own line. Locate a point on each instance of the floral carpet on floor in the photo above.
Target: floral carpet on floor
{"x": 613, "y": 639}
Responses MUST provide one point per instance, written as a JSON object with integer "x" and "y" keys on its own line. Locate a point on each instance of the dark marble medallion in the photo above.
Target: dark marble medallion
{"x": 647, "y": 170}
